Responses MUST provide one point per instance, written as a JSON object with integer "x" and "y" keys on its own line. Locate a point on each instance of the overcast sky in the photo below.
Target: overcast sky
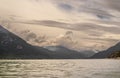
{"x": 86, "y": 24}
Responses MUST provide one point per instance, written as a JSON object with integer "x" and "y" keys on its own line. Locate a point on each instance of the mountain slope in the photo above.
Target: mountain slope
{"x": 108, "y": 52}
{"x": 115, "y": 55}
{"x": 62, "y": 52}
{"x": 11, "y": 46}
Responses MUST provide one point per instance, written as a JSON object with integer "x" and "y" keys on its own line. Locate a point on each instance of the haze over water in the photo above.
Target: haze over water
{"x": 103, "y": 68}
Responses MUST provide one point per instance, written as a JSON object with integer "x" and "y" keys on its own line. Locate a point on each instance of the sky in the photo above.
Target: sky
{"x": 76, "y": 24}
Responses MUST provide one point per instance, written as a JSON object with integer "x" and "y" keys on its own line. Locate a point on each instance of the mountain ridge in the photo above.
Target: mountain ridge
{"x": 59, "y": 48}
{"x": 108, "y": 52}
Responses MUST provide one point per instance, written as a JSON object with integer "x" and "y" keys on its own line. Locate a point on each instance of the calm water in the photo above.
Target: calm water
{"x": 60, "y": 68}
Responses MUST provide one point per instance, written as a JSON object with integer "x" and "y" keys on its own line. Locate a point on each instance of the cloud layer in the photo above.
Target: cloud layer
{"x": 95, "y": 23}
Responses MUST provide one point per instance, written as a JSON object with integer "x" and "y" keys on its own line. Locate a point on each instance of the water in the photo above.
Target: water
{"x": 60, "y": 68}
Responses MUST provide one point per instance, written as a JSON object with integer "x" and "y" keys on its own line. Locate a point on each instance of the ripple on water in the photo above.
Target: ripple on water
{"x": 59, "y": 69}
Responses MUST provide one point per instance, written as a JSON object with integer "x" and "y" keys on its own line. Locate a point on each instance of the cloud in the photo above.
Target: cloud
{"x": 93, "y": 7}
{"x": 103, "y": 39}
{"x": 41, "y": 39}
{"x": 65, "y": 7}
{"x": 32, "y": 37}
{"x": 66, "y": 40}
{"x": 114, "y": 4}
{"x": 84, "y": 27}
{"x": 87, "y": 27}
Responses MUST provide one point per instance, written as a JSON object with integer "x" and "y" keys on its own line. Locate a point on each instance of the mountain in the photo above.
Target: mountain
{"x": 63, "y": 52}
{"x": 13, "y": 47}
{"x": 115, "y": 55}
{"x": 107, "y": 53}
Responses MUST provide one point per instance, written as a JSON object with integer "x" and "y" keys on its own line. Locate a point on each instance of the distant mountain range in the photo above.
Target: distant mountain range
{"x": 109, "y": 53}
{"x": 62, "y": 52}
{"x": 66, "y": 51}
{"x": 13, "y": 47}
